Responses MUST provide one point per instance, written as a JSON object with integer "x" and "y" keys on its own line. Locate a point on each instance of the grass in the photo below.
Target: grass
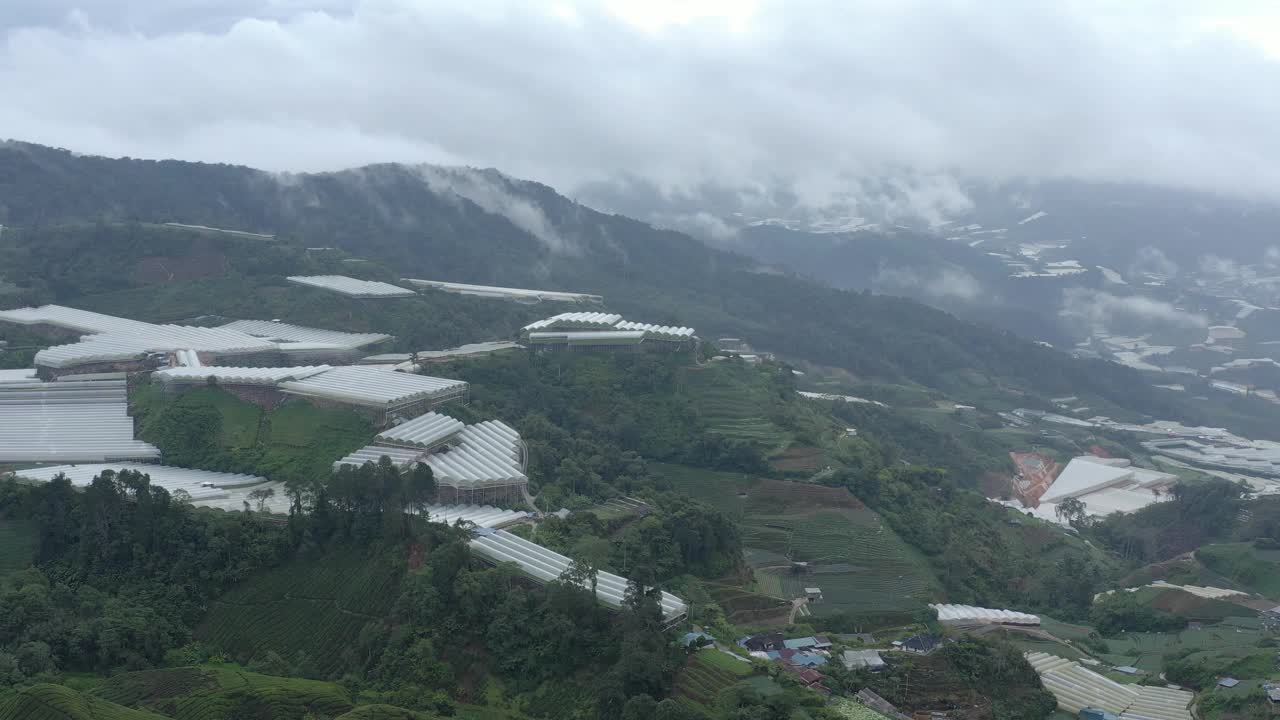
{"x": 198, "y": 693}
{"x": 240, "y": 420}
{"x": 740, "y": 402}
{"x": 1258, "y": 570}
{"x": 55, "y": 702}
{"x": 858, "y": 561}
{"x": 317, "y": 606}
{"x": 706, "y": 674}
{"x": 18, "y": 543}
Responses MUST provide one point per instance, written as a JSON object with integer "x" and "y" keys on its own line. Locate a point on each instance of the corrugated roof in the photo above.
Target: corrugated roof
{"x": 487, "y": 453}
{"x": 504, "y": 292}
{"x": 658, "y": 331}
{"x": 352, "y": 286}
{"x": 969, "y": 613}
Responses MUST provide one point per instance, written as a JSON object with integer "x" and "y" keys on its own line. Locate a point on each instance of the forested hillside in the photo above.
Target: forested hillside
{"x": 481, "y": 226}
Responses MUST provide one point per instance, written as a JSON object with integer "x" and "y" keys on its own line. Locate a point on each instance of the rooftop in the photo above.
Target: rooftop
{"x": 372, "y": 386}
{"x": 352, "y": 287}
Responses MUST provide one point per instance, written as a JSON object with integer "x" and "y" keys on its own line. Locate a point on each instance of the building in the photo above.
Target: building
{"x": 605, "y": 331}
{"x": 1228, "y": 682}
{"x": 517, "y": 294}
{"x": 1104, "y": 486}
{"x": 543, "y": 565}
{"x": 70, "y": 421}
{"x": 1077, "y": 688}
{"x": 921, "y": 644}
{"x": 813, "y": 595}
{"x": 970, "y": 615}
{"x": 352, "y": 287}
{"x": 481, "y": 463}
{"x": 859, "y": 659}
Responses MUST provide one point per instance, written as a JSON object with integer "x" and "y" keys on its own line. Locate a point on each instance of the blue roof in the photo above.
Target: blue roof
{"x": 1228, "y": 682}
{"x": 798, "y": 643}
{"x": 809, "y": 659}
{"x": 693, "y": 637}
{"x": 773, "y": 654}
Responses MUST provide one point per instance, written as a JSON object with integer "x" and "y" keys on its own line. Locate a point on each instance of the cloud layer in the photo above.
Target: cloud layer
{"x": 804, "y": 94}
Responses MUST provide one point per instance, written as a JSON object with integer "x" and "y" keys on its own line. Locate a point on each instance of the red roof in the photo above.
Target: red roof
{"x": 810, "y": 677}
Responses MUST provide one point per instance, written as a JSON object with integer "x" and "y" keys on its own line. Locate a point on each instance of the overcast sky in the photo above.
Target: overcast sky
{"x": 807, "y": 92}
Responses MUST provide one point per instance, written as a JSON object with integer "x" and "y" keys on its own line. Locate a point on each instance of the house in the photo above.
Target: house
{"x": 696, "y": 639}
{"x": 764, "y": 643}
{"x": 857, "y": 659}
{"x": 810, "y": 677}
{"x": 1273, "y": 693}
{"x": 808, "y": 659}
{"x": 813, "y": 595}
{"x": 1228, "y": 682}
{"x": 922, "y": 644}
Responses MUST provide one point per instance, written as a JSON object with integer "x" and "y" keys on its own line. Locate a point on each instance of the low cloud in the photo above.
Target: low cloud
{"x": 943, "y": 284}
{"x": 485, "y": 188}
{"x": 1152, "y": 261}
{"x": 1093, "y": 309}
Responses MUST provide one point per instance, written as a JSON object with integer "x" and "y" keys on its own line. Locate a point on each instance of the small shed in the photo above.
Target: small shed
{"x": 1129, "y": 670}
{"x": 857, "y": 659}
{"x": 813, "y": 594}
{"x": 1228, "y": 682}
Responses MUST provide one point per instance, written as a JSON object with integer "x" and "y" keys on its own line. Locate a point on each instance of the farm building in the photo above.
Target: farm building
{"x": 970, "y": 615}
{"x": 1077, "y": 688}
{"x": 922, "y": 644}
{"x": 104, "y": 343}
{"x": 383, "y": 393}
{"x": 604, "y": 331}
{"x": 68, "y": 421}
{"x": 352, "y": 287}
{"x": 505, "y": 293}
{"x": 1104, "y": 486}
{"x": 484, "y": 462}
{"x": 857, "y": 659}
{"x": 539, "y": 563}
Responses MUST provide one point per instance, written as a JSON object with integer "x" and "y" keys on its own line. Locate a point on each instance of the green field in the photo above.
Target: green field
{"x": 194, "y": 693}
{"x": 317, "y": 606}
{"x": 706, "y": 674}
{"x": 1258, "y": 570}
{"x": 1221, "y": 645}
{"x": 18, "y": 544}
{"x": 296, "y": 439}
{"x": 858, "y": 561}
{"x": 55, "y": 702}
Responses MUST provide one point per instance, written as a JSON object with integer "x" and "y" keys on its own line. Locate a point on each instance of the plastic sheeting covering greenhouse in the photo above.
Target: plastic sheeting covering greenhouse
{"x": 13, "y": 377}
{"x": 68, "y": 422}
{"x": 504, "y": 292}
{"x": 658, "y": 332}
{"x": 286, "y": 333}
{"x": 425, "y": 431}
{"x": 374, "y": 387}
{"x": 968, "y": 614}
{"x": 576, "y": 321}
{"x": 207, "y": 489}
{"x": 112, "y": 339}
{"x": 237, "y": 375}
{"x": 1077, "y": 687}
{"x": 352, "y": 286}
{"x": 487, "y": 453}
{"x": 500, "y": 546}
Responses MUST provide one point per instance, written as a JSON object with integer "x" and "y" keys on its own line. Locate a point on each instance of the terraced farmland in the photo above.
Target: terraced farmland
{"x": 55, "y": 702}
{"x": 193, "y": 693}
{"x": 736, "y": 403}
{"x": 746, "y": 608}
{"x": 317, "y": 606}
{"x": 706, "y": 674}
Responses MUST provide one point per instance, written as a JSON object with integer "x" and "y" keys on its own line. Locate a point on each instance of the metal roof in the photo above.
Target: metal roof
{"x": 548, "y": 565}
{"x": 352, "y": 286}
{"x": 299, "y": 337}
{"x": 68, "y": 422}
{"x": 372, "y": 386}
{"x": 237, "y": 375}
{"x": 424, "y": 431}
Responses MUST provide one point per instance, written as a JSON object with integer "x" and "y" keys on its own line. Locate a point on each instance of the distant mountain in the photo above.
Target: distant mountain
{"x": 482, "y": 226}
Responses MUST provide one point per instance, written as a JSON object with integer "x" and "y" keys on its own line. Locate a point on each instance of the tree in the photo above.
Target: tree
{"x": 261, "y": 496}
{"x": 1074, "y": 512}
